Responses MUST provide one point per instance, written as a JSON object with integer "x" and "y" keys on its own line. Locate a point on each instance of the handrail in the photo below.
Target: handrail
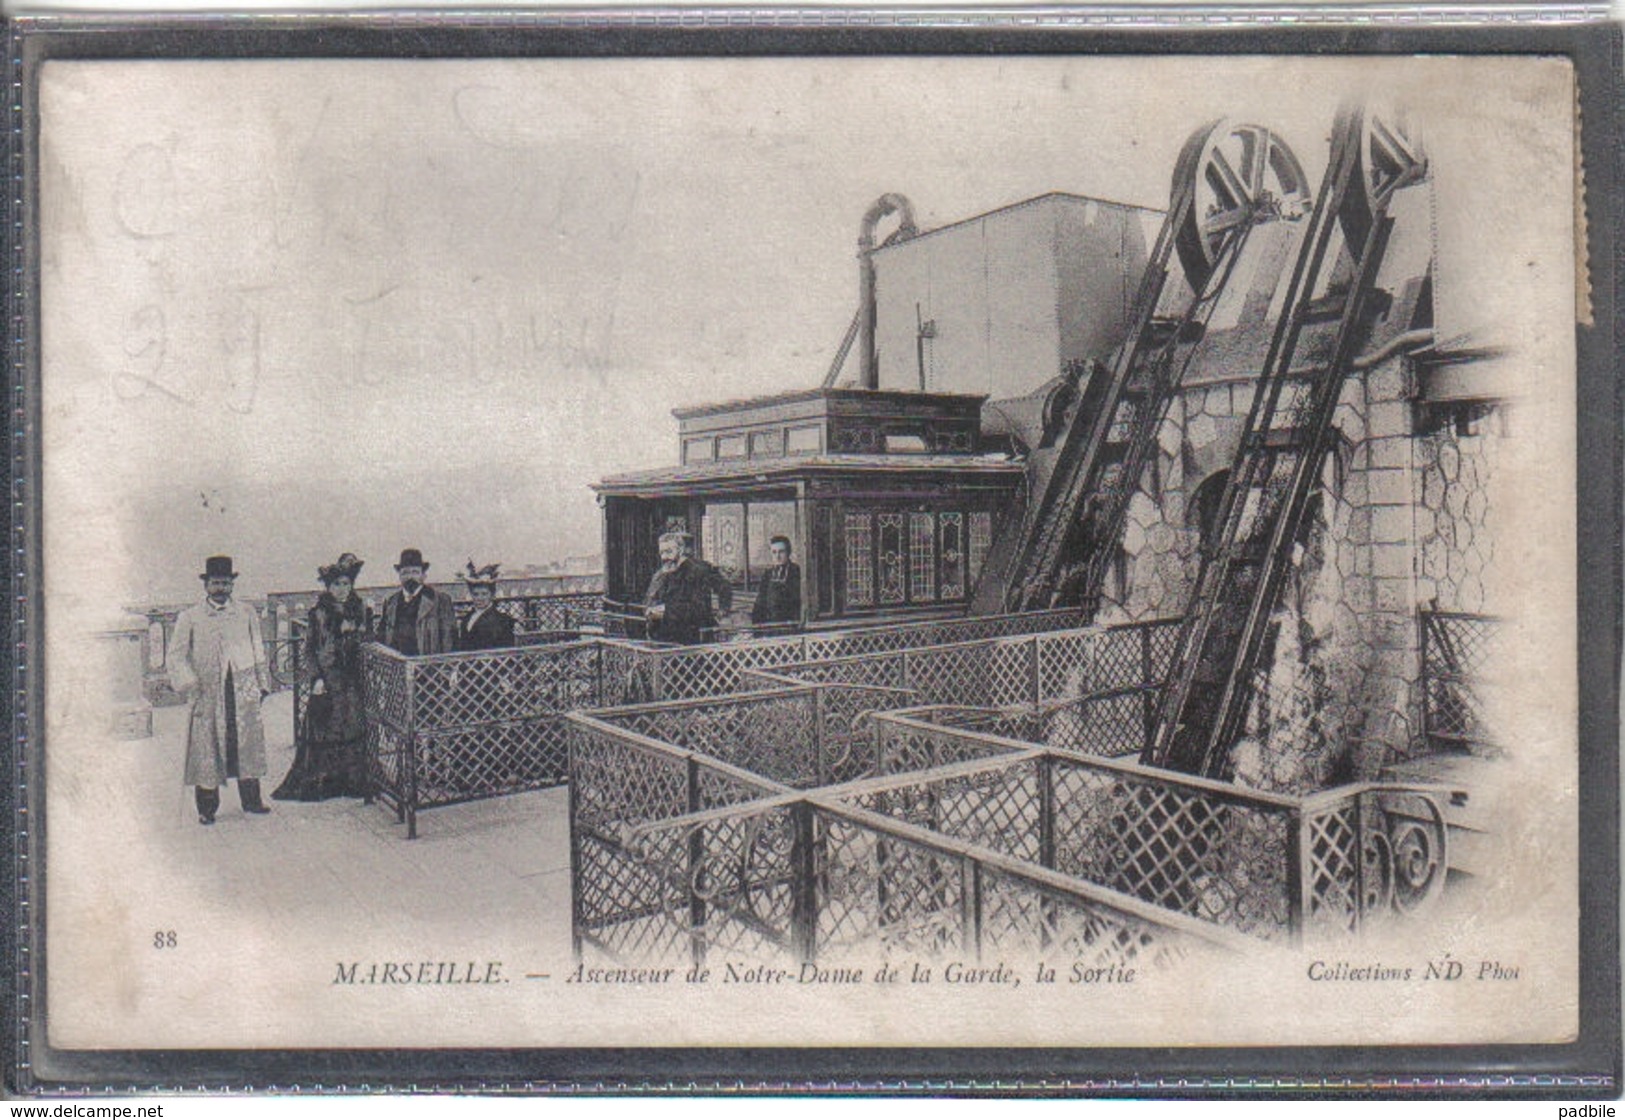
{"x": 1018, "y": 868}
{"x": 670, "y": 751}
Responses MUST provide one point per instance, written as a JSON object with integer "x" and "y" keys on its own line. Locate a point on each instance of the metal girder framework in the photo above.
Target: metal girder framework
{"x": 1228, "y": 179}
{"x": 1281, "y": 452}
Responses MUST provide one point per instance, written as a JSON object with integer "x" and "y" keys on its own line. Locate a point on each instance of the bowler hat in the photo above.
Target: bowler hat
{"x": 217, "y": 567}
{"x": 411, "y": 558}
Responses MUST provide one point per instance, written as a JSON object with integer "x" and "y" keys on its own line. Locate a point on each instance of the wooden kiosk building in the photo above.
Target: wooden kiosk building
{"x": 886, "y": 496}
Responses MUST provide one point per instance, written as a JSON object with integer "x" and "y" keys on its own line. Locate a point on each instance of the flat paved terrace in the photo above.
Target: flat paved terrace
{"x": 507, "y": 853}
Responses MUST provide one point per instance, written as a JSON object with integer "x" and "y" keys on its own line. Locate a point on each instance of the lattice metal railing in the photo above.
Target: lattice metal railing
{"x": 792, "y": 879}
{"x": 549, "y": 614}
{"x": 678, "y": 672}
{"x": 1000, "y": 846}
{"x": 1457, "y": 650}
{"x": 1092, "y": 689}
{"x": 457, "y": 727}
{"x": 803, "y": 736}
{"x": 1370, "y": 851}
{"x": 1211, "y": 851}
{"x": 650, "y": 855}
{"x": 387, "y": 689}
{"x": 996, "y": 802}
{"x": 1264, "y": 864}
{"x": 535, "y": 613}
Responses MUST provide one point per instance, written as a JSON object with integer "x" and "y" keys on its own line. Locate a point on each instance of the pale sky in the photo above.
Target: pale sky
{"x": 294, "y": 308}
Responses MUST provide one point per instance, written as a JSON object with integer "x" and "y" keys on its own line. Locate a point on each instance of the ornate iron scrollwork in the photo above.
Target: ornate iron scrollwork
{"x": 1405, "y": 857}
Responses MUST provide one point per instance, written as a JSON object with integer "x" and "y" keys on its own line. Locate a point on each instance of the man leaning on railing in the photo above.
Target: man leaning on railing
{"x": 678, "y": 603}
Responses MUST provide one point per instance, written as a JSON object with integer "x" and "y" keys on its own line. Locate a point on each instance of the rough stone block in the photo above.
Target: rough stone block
{"x": 1201, "y": 431}
{"x": 1133, "y": 539}
{"x": 1389, "y": 418}
{"x": 1142, "y": 510}
{"x": 1426, "y": 524}
{"x": 1241, "y": 399}
{"x": 1173, "y": 507}
{"x": 1391, "y": 451}
{"x": 1393, "y": 628}
{"x": 1391, "y": 524}
{"x": 1350, "y": 423}
{"x": 1387, "y": 381}
{"x": 1359, "y": 531}
{"x": 1394, "y": 595}
{"x": 1387, "y": 486}
{"x": 1168, "y": 437}
{"x": 1355, "y": 489}
{"x": 1391, "y": 561}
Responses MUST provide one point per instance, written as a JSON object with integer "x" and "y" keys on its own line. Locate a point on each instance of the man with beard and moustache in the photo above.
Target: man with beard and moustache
{"x": 678, "y": 603}
{"x": 418, "y": 619}
{"x": 217, "y": 658}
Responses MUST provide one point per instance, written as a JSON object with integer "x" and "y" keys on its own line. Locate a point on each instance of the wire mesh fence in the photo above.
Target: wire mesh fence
{"x": 791, "y": 880}
{"x": 964, "y": 840}
{"x": 449, "y": 728}
{"x": 1457, "y": 651}
{"x": 634, "y": 893}
{"x": 802, "y": 736}
{"x": 1263, "y": 864}
{"x": 675, "y": 672}
{"x": 1093, "y": 689}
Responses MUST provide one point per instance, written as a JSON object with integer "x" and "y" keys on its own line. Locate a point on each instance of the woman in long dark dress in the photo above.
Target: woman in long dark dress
{"x": 330, "y": 760}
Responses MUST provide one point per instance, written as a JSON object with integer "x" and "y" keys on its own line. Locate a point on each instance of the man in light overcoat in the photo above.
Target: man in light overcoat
{"x": 217, "y": 658}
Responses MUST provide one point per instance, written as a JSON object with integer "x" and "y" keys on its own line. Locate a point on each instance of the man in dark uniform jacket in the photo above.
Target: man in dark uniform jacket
{"x": 484, "y": 627}
{"x": 417, "y": 618}
{"x": 678, "y": 605}
{"x": 778, "y": 599}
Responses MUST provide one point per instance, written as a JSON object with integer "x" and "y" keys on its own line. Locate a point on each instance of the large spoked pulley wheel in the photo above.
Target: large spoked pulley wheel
{"x": 1233, "y": 175}
{"x": 1390, "y": 156}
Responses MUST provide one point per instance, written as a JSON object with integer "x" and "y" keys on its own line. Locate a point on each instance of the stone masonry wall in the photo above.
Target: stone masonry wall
{"x": 1400, "y": 522}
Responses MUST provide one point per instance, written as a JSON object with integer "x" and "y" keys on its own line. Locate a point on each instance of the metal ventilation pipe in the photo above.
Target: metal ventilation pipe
{"x": 868, "y": 357}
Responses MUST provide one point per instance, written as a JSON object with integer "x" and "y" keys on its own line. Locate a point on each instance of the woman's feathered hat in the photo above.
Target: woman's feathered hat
{"x": 346, "y": 566}
{"x": 481, "y": 577}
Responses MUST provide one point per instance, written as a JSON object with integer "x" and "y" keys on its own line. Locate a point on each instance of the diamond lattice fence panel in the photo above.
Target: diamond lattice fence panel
{"x": 1021, "y": 916}
{"x": 1457, "y": 652}
{"x": 999, "y": 808}
{"x": 880, "y": 894}
{"x": 1181, "y": 847}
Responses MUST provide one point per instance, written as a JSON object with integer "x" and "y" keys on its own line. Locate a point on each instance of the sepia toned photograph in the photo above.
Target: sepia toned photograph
{"x": 1011, "y": 551}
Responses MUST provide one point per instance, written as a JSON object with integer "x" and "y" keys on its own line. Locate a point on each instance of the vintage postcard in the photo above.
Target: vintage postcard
{"x": 1021, "y": 551}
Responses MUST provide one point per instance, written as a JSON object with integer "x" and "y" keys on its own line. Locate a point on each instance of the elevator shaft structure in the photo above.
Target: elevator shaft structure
{"x": 1288, "y": 433}
{"x": 1228, "y": 179}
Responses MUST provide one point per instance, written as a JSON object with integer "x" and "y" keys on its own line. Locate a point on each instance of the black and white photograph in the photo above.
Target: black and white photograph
{"x": 1032, "y": 550}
